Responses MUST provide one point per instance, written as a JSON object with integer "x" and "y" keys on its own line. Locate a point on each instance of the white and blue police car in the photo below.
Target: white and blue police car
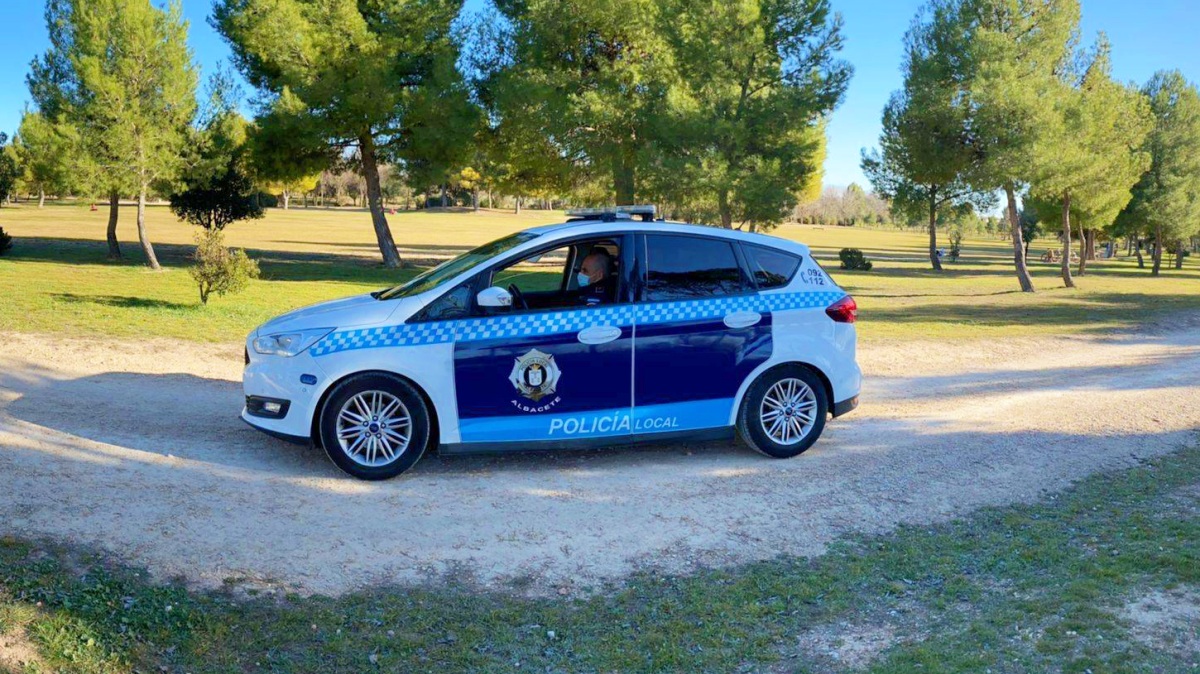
{"x": 600, "y": 331}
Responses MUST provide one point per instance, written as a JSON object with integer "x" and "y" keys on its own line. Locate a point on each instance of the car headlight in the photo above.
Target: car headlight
{"x": 289, "y": 343}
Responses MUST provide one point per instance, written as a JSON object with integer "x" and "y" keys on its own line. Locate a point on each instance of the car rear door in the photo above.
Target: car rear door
{"x": 698, "y": 332}
{"x": 551, "y": 375}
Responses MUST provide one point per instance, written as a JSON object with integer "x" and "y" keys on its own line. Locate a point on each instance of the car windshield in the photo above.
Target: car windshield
{"x": 432, "y": 278}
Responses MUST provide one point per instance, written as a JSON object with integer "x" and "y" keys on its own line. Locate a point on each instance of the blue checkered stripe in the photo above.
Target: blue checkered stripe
{"x": 556, "y": 322}
{"x": 698, "y": 310}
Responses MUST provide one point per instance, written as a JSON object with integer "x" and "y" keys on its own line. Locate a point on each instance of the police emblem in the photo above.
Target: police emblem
{"x": 535, "y": 375}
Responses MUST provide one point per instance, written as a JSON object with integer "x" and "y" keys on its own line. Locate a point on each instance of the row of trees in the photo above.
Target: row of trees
{"x": 715, "y": 108}
{"x": 998, "y": 98}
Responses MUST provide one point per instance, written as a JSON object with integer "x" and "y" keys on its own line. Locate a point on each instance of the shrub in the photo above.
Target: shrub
{"x": 853, "y": 258}
{"x": 5, "y": 242}
{"x": 220, "y": 270}
{"x": 956, "y": 237}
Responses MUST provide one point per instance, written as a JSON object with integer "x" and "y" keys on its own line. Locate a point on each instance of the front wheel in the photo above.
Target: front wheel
{"x": 374, "y": 426}
{"x": 784, "y": 411}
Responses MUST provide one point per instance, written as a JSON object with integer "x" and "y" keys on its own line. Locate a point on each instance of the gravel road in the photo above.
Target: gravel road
{"x": 135, "y": 447}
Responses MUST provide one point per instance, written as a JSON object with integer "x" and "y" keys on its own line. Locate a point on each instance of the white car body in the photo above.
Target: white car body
{"x": 464, "y": 365}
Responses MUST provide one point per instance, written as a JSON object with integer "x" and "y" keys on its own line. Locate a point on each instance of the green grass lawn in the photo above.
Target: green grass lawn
{"x": 58, "y": 279}
{"x": 1029, "y": 588}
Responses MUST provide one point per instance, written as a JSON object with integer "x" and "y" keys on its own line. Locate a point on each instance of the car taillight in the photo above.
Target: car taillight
{"x": 844, "y": 310}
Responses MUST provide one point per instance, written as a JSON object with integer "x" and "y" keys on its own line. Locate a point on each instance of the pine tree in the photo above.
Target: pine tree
{"x": 1166, "y": 200}
{"x": 344, "y": 74}
{"x": 120, "y": 72}
{"x": 1092, "y": 155}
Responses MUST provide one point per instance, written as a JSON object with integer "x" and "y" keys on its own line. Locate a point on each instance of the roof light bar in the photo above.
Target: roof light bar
{"x": 646, "y": 211}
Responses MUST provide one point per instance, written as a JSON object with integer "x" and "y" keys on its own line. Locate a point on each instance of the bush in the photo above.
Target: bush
{"x": 956, "y": 238}
{"x": 5, "y": 242}
{"x": 219, "y": 270}
{"x": 853, "y": 258}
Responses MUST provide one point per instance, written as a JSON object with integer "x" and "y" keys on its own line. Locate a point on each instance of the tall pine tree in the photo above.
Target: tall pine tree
{"x": 346, "y": 74}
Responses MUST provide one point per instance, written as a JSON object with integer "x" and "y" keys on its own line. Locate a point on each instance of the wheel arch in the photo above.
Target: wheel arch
{"x": 770, "y": 367}
{"x": 434, "y": 422}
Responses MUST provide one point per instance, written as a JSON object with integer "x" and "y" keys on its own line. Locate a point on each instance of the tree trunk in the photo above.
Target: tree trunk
{"x": 41, "y": 197}
{"x": 147, "y": 247}
{"x": 1138, "y": 250}
{"x": 1179, "y": 257}
{"x": 1158, "y": 251}
{"x": 287, "y": 199}
{"x": 475, "y": 199}
{"x": 114, "y": 246}
{"x": 387, "y": 245}
{"x": 518, "y": 200}
{"x": 933, "y": 256}
{"x": 1018, "y": 240}
{"x": 624, "y": 180}
{"x": 724, "y": 209}
{"x": 1066, "y": 240}
{"x": 1085, "y": 248}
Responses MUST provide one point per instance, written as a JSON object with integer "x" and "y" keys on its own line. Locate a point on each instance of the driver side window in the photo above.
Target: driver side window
{"x": 579, "y": 274}
{"x": 538, "y": 273}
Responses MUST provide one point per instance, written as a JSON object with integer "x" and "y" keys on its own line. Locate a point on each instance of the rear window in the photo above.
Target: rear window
{"x": 770, "y": 268}
{"x": 690, "y": 267}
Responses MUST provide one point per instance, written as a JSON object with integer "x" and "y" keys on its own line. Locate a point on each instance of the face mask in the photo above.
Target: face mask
{"x": 583, "y": 280}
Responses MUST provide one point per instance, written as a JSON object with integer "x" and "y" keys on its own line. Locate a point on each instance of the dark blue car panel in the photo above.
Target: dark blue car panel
{"x": 591, "y": 377}
{"x": 696, "y": 360}
{"x": 492, "y": 358}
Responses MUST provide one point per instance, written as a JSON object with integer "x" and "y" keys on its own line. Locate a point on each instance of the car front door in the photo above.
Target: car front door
{"x": 551, "y": 369}
{"x": 699, "y": 332}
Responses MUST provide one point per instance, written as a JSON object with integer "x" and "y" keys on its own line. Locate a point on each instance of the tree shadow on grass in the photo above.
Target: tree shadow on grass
{"x": 275, "y": 265}
{"x": 120, "y": 301}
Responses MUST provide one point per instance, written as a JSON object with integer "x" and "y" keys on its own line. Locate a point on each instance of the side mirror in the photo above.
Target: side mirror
{"x": 494, "y": 297}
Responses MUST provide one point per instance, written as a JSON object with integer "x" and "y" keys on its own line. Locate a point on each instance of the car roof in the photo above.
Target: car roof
{"x": 584, "y": 227}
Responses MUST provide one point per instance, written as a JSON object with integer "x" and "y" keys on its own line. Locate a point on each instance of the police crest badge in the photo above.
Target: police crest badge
{"x": 535, "y": 375}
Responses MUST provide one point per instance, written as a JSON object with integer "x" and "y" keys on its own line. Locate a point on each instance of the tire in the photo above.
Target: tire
{"x": 375, "y": 451}
{"x": 757, "y": 419}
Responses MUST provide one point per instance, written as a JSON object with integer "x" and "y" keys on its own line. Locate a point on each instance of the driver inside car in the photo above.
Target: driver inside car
{"x": 593, "y": 278}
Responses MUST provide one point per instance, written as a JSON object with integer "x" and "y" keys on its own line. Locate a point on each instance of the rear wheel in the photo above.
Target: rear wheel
{"x": 784, "y": 411}
{"x": 374, "y": 426}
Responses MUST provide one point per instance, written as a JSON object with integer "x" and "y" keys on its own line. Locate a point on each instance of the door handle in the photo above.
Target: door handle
{"x": 742, "y": 319}
{"x": 599, "y": 334}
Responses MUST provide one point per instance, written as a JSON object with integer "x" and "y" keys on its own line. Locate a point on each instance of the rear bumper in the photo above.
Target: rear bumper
{"x": 845, "y": 406}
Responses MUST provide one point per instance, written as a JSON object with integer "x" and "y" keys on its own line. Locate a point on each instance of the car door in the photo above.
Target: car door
{"x": 548, "y": 374}
{"x": 698, "y": 332}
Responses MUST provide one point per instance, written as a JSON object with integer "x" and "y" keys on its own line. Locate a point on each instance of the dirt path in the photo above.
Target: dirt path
{"x": 136, "y": 448}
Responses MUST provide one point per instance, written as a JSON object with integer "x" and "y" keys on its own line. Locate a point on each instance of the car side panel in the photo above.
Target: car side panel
{"x": 425, "y": 357}
{"x": 693, "y": 368}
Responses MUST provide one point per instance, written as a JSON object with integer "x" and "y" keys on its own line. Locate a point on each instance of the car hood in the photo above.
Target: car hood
{"x": 348, "y": 312}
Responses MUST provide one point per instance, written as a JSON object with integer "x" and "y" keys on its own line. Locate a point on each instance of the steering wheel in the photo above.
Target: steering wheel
{"x": 516, "y": 293}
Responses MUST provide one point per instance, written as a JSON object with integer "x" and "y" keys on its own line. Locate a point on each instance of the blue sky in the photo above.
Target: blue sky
{"x": 1145, "y": 37}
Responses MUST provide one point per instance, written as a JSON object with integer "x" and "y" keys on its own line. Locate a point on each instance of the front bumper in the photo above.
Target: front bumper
{"x": 278, "y": 379}
{"x": 294, "y": 439}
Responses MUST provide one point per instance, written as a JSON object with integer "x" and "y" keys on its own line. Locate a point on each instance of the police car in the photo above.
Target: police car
{"x": 600, "y": 331}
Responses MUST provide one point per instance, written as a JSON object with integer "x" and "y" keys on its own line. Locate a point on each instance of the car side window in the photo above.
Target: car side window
{"x": 770, "y": 268}
{"x": 542, "y": 272}
{"x": 576, "y": 274}
{"x": 690, "y": 267}
{"x": 452, "y": 305}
